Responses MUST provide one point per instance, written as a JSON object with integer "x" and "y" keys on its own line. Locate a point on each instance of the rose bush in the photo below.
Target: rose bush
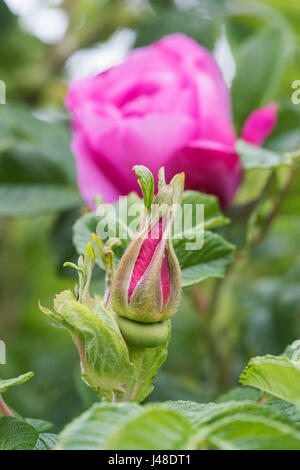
{"x": 166, "y": 105}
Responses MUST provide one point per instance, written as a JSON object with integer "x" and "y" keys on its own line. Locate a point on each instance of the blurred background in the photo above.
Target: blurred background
{"x": 43, "y": 45}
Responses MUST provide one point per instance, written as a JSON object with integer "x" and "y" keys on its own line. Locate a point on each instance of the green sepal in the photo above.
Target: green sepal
{"x": 8, "y": 383}
{"x": 161, "y": 178}
{"x": 146, "y": 183}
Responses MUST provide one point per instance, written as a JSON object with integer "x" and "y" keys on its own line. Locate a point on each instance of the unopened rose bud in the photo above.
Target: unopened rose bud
{"x": 147, "y": 284}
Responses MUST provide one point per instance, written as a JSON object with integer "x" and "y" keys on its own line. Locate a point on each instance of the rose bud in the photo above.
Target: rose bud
{"x": 147, "y": 284}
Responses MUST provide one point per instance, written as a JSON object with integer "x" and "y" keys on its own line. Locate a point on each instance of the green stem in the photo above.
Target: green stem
{"x": 221, "y": 363}
{"x": 208, "y": 314}
{"x": 276, "y": 207}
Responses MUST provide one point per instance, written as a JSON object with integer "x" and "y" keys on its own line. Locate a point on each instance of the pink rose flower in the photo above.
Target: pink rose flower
{"x": 166, "y": 105}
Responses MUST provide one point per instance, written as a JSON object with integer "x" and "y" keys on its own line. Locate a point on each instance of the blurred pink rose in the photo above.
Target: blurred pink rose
{"x": 167, "y": 105}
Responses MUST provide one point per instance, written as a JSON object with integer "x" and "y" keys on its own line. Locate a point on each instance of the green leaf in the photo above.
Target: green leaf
{"x": 146, "y": 182}
{"x": 200, "y": 24}
{"x": 83, "y": 229}
{"x": 40, "y": 425}
{"x": 286, "y": 409}
{"x": 126, "y": 426}
{"x": 275, "y": 375}
{"x": 16, "y": 434}
{"x": 6, "y": 18}
{"x": 46, "y": 441}
{"x": 258, "y": 157}
{"x": 210, "y": 261}
{"x": 189, "y": 222}
{"x": 24, "y": 199}
{"x": 5, "y": 384}
{"x": 200, "y": 414}
{"x": 260, "y": 63}
{"x": 286, "y": 135}
{"x": 92, "y": 429}
{"x": 25, "y": 434}
{"x": 249, "y": 432}
{"x": 37, "y": 169}
{"x": 102, "y": 350}
{"x": 241, "y": 394}
{"x": 93, "y": 223}
{"x": 238, "y": 425}
{"x": 154, "y": 428}
{"x": 181, "y": 425}
{"x": 292, "y": 351}
{"x": 48, "y": 140}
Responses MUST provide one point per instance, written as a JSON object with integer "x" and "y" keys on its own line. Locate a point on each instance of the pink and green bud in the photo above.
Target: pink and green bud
{"x": 147, "y": 284}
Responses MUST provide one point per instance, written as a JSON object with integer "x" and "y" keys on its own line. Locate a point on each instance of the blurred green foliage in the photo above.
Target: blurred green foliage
{"x": 259, "y": 304}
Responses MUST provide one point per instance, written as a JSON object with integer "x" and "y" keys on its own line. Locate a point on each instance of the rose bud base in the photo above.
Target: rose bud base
{"x": 143, "y": 335}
